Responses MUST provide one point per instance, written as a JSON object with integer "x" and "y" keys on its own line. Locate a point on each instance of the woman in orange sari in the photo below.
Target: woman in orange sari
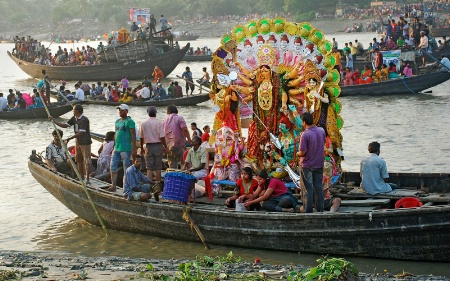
{"x": 366, "y": 76}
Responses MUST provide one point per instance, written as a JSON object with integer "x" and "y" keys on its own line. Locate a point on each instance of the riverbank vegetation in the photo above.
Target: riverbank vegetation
{"x": 24, "y": 12}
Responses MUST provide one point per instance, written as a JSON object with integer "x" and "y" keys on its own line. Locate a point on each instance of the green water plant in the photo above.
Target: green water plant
{"x": 329, "y": 269}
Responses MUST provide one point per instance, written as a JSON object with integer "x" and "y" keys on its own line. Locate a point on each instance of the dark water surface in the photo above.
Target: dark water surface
{"x": 414, "y": 132}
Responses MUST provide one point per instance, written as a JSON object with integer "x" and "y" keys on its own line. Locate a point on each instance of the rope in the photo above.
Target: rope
{"x": 403, "y": 80}
{"x": 74, "y": 166}
{"x": 192, "y": 224}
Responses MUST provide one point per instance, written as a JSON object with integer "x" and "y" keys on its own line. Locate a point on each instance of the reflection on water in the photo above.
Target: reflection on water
{"x": 413, "y": 131}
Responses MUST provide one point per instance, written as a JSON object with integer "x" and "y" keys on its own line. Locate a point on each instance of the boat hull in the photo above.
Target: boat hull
{"x": 184, "y": 101}
{"x": 409, "y": 85}
{"x": 133, "y": 69}
{"x": 55, "y": 111}
{"x": 416, "y": 234}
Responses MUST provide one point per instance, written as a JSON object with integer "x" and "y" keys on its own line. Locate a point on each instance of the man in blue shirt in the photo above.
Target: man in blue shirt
{"x": 136, "y": 186}
{"x": 374, "y": 173}
{"x": 160, "y": 93}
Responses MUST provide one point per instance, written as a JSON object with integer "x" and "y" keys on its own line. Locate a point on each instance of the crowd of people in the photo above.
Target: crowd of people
{"x": 29, "y": 49}
{"x": 255, "y": 190}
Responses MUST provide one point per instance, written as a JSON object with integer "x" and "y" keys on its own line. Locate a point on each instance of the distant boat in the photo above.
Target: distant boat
{"x": 402, "y": 85}
{"x": 185, "y": 37}
{"x": 197, "y": 58}
{"x": 56, "y": 109}
{"x": 184, "y": 101}
{"x": 134, "y": 68}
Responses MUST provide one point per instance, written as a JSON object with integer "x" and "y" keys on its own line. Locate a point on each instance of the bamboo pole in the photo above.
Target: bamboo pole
{"x": 195, "y": 84}
{"x": 74, "y": 166}
{"x": 191, "y": 222}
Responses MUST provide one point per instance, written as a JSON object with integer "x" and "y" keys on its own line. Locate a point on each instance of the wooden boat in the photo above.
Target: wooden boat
{"x": 440, "y": 32}
{"x": 56, "y": 109}
{"x": 185, "y": 37}
{"x": 410, "y": 85}
{"x": 184, "y": 101}
{"x": 197, "y": 58}
{"x": 414, "y": 233}
{"x": 134, "y": 69}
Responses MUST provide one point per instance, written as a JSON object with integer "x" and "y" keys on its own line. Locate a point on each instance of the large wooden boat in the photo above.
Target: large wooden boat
{"x": 134, "y": 69}
{"x": 410, "y": 85}
{"x": 56, "y": 109}
{"x": 414, "y": 233}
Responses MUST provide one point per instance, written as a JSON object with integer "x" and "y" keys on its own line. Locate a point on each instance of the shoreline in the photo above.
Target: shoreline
{"x": 20, "y": 265}
{"x": 205, "y": 30}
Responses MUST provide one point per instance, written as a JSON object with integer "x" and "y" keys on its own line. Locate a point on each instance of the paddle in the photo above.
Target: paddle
{"x": 74, "y": 167}
{"x": 190, "y": 82}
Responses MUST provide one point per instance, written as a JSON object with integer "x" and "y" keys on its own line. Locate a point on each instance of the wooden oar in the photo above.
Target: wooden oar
{"x": 74, "y": 166}
{"x": 190, "y": 82}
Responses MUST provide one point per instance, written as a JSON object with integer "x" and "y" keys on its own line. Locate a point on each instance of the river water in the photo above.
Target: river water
{"x": 413, "y": 131}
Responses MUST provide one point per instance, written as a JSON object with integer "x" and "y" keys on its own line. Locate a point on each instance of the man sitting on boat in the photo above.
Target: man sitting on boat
{"x": 195, "y": 163}
{"x": 160, "y": 93}
{"x": 55, "y": 157}
{"x": 136, "y": 186}
{"x": 374, "y": 172}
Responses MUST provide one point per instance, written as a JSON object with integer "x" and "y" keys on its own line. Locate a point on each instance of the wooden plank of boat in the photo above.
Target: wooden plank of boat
{"x": 364, "y": 203}
{"x": 410, "y": 85}
{"x": 56, "y": 109}
{"x": 440, "y": 32}
{"x": 134, "y": 69}
{"x": 184, "y": 101}
{"x": 417, "y": 233}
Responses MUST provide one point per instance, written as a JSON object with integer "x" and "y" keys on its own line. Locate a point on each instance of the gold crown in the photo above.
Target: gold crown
{"x": 267, "y": 55}
{"x": 311, "y": 71}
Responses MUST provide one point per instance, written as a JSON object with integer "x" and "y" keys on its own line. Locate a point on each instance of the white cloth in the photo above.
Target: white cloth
{"x": 106, "y": 93}
{"x": 144, "y": 93}
{"x": 3, "y": 103}
{"x": 79, "y": 94}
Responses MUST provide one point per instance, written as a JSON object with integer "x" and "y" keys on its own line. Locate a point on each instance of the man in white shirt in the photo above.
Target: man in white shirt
{"x": 79, "y": 93}
{"x": 143, "y": 93}
{"x": 423, "y": 46}
{"x": 3, "y": 102}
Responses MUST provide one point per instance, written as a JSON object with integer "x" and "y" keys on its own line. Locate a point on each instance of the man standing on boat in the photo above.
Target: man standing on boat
{"x": 176, "y": 134}
{"x": 124, "y": 145}
{"x": 163, "y": 22}
{"x": 152, "y": 25}
{"x": 312, "y": 144}
{"x": 374, "y": 172}
{"x": 151, "y": 133}
{"x": 47, "y": 85}
{"x": 134, "y": 29}
{"x": 187, "y": 76}
{"x": 81, "y": 128}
